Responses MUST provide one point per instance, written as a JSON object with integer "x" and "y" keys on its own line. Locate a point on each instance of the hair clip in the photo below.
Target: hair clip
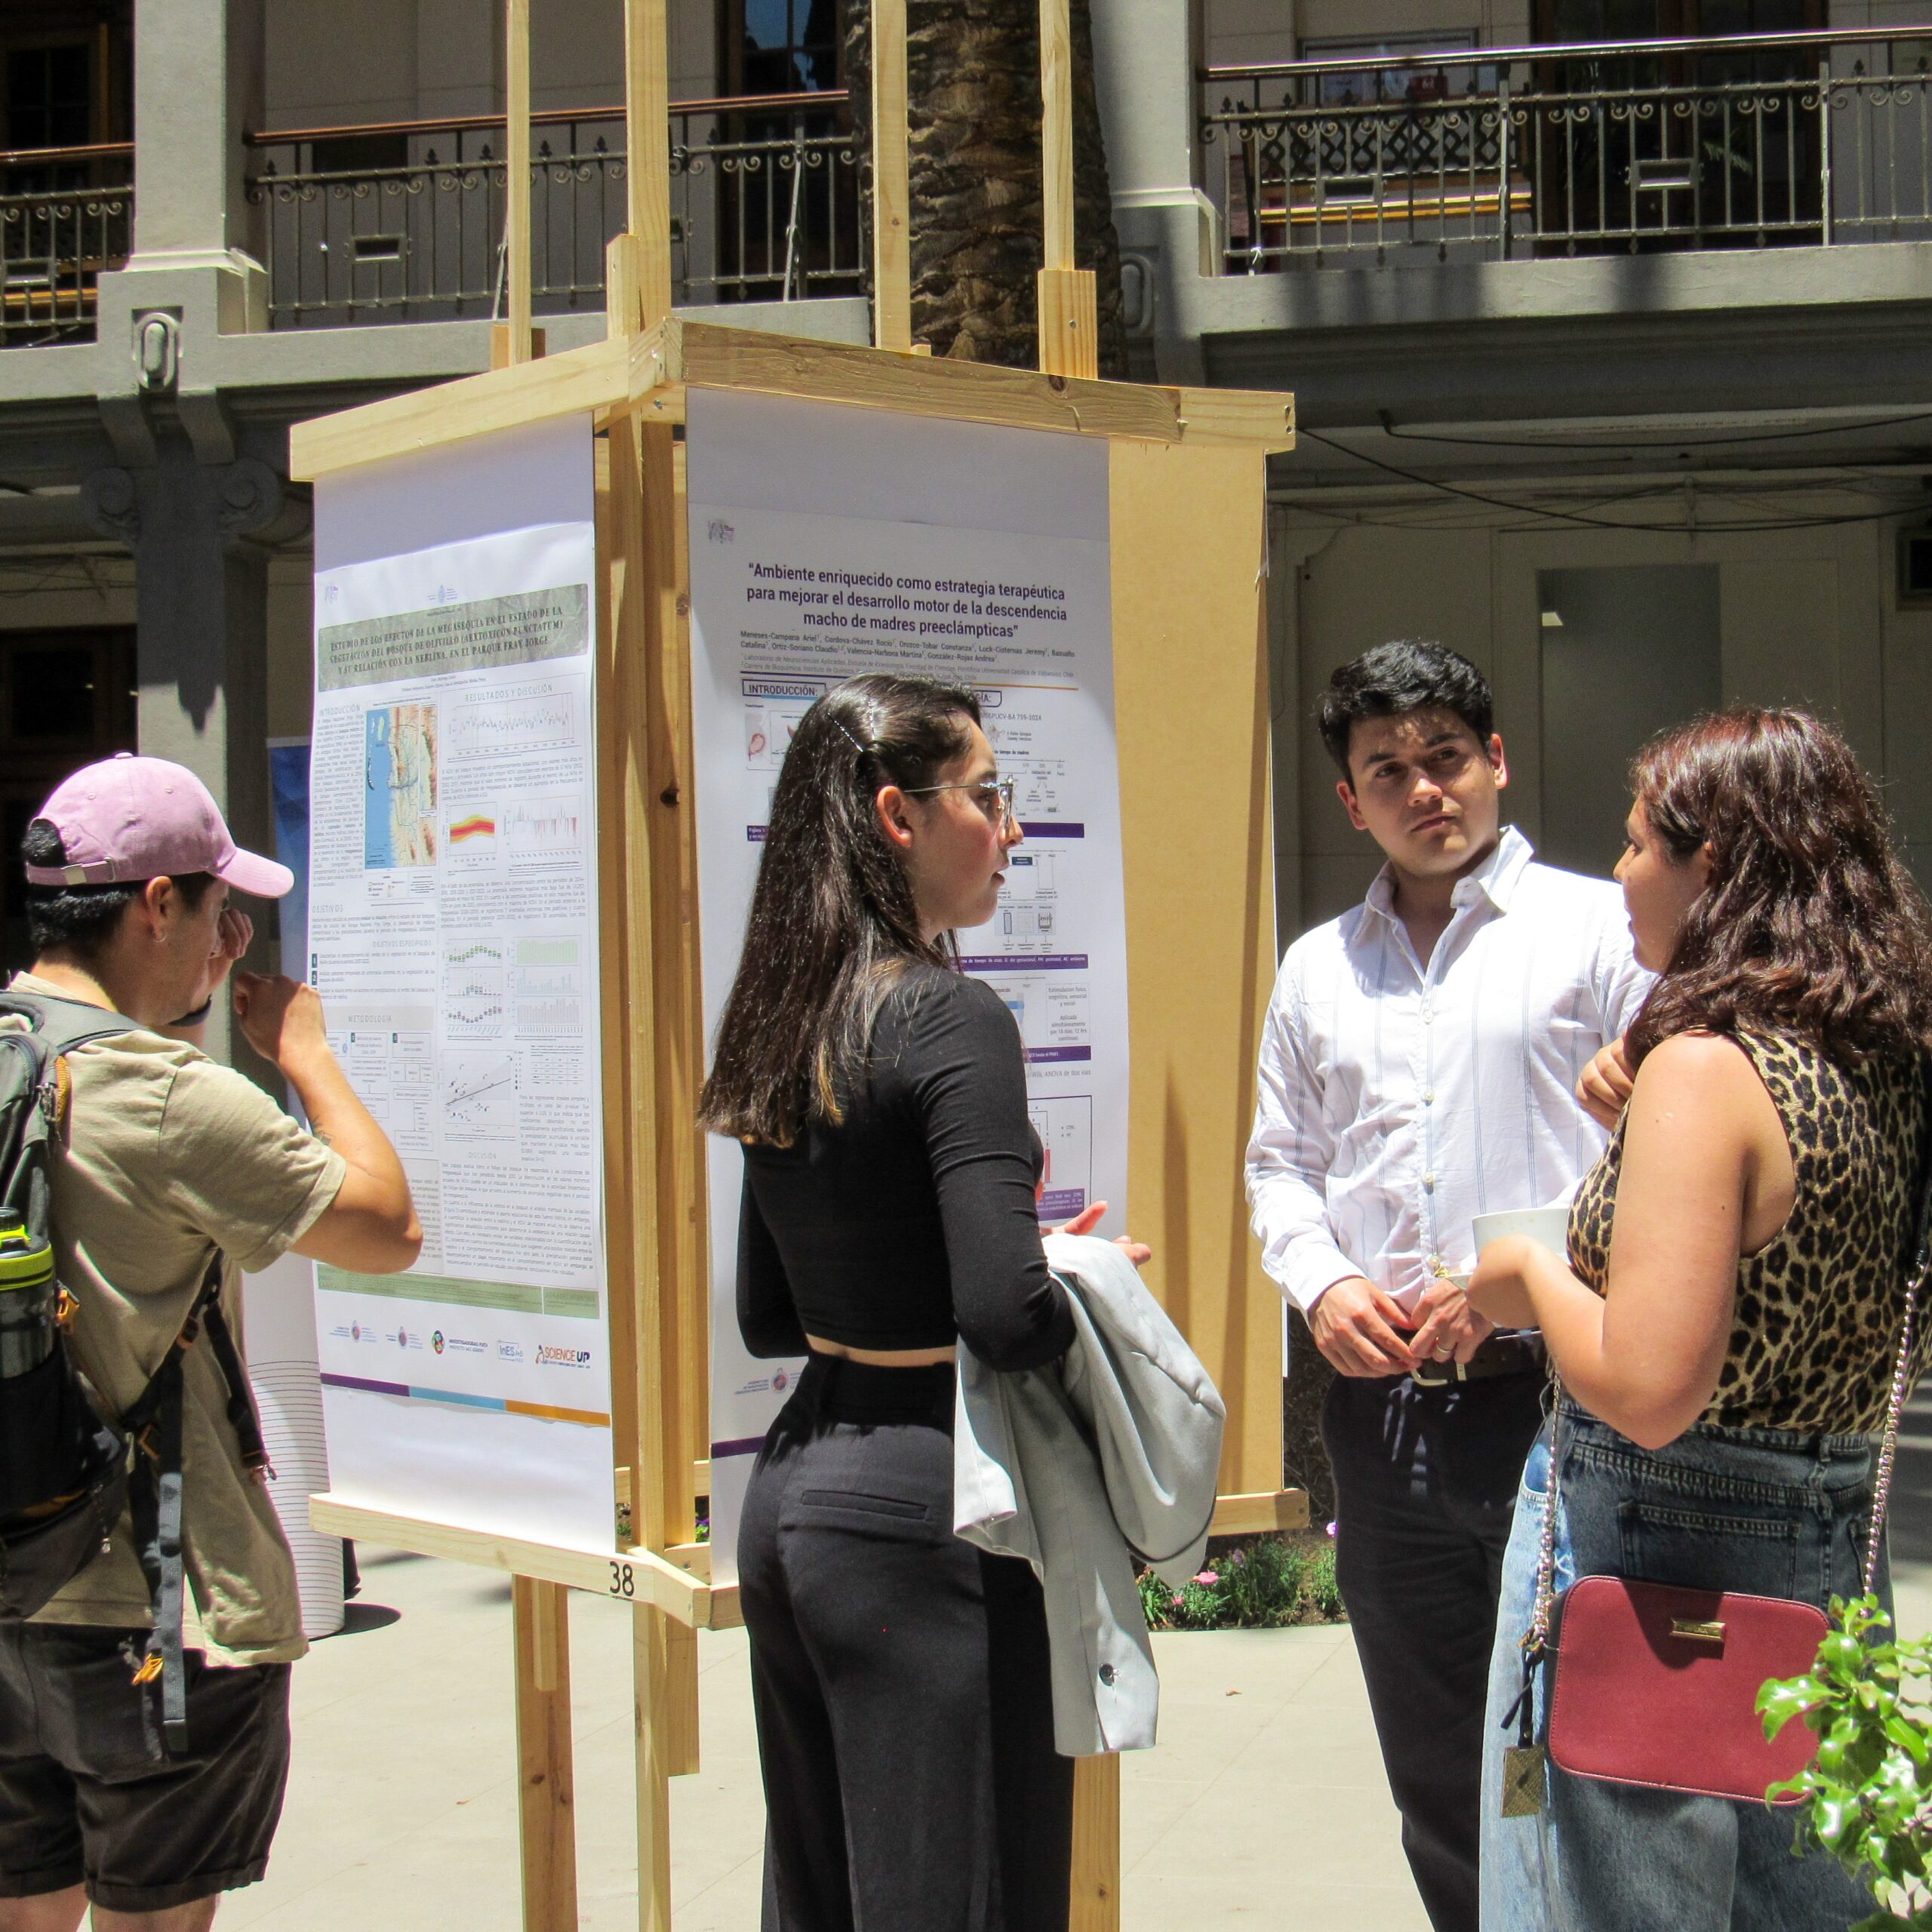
{"x": 861, "y": 749}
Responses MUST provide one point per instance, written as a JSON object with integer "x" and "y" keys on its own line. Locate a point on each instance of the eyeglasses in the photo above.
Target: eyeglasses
{"x": 994, "y": 796}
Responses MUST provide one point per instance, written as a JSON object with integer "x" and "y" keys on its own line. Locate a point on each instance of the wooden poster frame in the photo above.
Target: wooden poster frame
{"x": 1187, "y": 485}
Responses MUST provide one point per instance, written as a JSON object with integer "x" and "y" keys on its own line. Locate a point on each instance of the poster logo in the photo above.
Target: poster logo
{"x": 781, "y": 1382}
{"x": 550, "y": 1356}
{"x": 436, "y": 1341}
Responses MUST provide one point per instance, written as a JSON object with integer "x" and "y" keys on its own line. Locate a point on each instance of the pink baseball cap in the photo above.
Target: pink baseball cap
{"x": 130, "y": 818}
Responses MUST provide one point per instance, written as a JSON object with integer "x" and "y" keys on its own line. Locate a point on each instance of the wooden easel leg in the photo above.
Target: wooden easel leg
{"x": 1096, "y": 1901}
{"x": 681, "y": 1682}
{"x": 546, "y": 1781}
{"x": 653, "y": 1697}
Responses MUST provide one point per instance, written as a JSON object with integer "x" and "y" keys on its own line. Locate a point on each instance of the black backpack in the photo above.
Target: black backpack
{"x": 68, "y": 1465}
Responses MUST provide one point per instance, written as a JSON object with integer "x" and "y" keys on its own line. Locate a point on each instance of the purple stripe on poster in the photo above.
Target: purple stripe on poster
{"x": 1022, "y": 962}
{"x": 1048, "y": 1055}
{"x": 1053, "y": 828}
{"x": 361, "y": 1382}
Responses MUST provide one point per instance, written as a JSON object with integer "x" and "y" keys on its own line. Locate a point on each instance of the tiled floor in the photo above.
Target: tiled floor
{"x": 1264, "y": 1802}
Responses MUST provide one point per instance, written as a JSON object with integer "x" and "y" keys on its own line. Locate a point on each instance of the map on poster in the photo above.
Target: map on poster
{"x": 453, "y": 936}
{"x": 827, "y": 541}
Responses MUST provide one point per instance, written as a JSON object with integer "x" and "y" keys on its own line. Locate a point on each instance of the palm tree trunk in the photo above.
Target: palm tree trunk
{"x": 973, "y": 83}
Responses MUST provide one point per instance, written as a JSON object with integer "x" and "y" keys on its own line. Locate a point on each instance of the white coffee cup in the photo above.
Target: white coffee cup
{"x": 1548, "y": 1227}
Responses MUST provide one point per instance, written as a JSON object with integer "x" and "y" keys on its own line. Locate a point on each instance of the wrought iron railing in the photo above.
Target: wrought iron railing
{"x": 1747, "y": 141}
{"x": 404, "y": 221}
{"x": 66, "y": 214}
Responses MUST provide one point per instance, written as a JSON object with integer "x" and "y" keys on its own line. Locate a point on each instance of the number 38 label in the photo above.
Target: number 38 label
{"x": 623, "y": 1580}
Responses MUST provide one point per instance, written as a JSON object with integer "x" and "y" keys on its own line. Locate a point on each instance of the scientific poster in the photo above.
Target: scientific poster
{"x": 453, "y": 937}
{"x": 825, "y": 541}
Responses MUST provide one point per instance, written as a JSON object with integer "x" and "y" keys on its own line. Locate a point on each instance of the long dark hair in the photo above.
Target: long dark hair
{"x": 832, "y": 922}
{"x": 1810, "y": 924}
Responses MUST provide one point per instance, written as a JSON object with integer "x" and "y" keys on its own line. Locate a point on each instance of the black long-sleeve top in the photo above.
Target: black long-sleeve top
{"x": 911, "y": 1224}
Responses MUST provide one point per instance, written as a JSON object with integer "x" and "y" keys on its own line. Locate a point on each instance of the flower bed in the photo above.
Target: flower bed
{"x": 1270, "y": 1583}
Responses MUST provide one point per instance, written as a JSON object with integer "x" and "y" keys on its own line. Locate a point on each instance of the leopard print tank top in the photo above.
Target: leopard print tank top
{"x": 1815, "y": 1334}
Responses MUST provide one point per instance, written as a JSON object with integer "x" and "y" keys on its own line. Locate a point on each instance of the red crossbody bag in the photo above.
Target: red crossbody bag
{"x": 1652, "y": 1685}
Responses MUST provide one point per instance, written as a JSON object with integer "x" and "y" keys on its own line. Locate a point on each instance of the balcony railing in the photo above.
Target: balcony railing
{"x": 1749, "y": 141}
{"x": 404, "y": 221}
{"x": 66, "y": 214}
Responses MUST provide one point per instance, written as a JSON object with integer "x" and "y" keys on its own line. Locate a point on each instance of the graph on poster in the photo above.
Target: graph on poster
{"x": 479, "y": 1098}
{"x": 544, "y": 826}
{"x": 486, "y": 728}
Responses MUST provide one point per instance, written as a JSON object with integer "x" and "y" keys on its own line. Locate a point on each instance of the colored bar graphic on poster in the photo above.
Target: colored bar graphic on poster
{"x": 453, "y": 938}
{"x": 828, "y": 541}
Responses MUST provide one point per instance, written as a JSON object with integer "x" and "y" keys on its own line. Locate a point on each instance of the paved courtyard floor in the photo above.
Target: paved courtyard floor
{"x": 1263, "y": 1803}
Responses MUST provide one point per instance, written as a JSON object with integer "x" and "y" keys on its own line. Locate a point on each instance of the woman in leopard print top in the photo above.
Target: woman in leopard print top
{"x": 1725, "y": 1342}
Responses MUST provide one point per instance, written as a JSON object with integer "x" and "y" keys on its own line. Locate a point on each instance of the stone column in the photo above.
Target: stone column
{"x": 1145, "y": 55}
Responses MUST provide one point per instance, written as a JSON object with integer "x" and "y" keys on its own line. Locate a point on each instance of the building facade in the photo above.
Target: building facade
{"x": 1609, "y": 356}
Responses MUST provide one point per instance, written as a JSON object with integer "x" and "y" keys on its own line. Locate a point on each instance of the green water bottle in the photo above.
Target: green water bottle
{"x": 30, "y": 1300}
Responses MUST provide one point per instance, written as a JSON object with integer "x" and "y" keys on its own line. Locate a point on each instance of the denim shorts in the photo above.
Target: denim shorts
{"x": 88, "y": 1794}
{"x": 1766, "y": 1511}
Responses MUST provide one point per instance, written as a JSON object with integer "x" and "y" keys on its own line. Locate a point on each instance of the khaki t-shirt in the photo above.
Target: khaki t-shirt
{"x": 169, "y": 1155}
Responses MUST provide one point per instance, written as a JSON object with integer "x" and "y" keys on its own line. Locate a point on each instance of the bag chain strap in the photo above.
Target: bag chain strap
{"x": 1535, "y": 1640}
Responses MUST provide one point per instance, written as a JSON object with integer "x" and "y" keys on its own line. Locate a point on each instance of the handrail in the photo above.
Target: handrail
{"x": 1585, "y": 50}
{"x": 42, "y": 157}
{"x": 450, "y": 124}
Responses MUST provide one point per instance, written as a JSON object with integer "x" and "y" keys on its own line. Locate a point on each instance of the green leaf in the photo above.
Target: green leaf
{"x": 1780, "y": 1701}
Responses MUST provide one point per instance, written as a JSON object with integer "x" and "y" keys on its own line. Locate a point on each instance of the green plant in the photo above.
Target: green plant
{"x": 1256, "y": 1583}
{"x": 1868, "y": 1794}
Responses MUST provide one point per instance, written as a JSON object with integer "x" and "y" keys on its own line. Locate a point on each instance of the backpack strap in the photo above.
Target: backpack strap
{"x": 47, "y": 1029}
{"x": 155, "y": 1495}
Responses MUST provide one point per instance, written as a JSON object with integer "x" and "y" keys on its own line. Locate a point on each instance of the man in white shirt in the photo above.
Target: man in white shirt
{"x": 1419, "y": 1068}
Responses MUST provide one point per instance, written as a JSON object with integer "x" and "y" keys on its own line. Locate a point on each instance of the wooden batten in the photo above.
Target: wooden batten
{"x": 646, "y": 374}
{"x": 626, "y": 371}
{"x": 713, "y": 357}
{"x": 1057, "y": 133}
{"x": 631, "y": 1575}
{"x": 1069, "y": 325}
{"x": 1094, "y": 1904}
{"x": 546, "y": 1800}
{"x": 1263, "y": 419}
{"x": 648, "y": 152}
{"x": 892, "y": 236}
{"x": 516, "y": 177}
{"x": 1253, "y": 1515}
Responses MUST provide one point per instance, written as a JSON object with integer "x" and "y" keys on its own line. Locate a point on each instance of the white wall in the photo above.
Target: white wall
{"x": 1808, "y": 617}
{"x": 351, "y": 61}
{"x": 1238, "y": 30}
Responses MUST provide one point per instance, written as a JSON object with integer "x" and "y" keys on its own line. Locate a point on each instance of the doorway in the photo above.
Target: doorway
{"x": 1626, "y": 653}
{"x": 67, "y": 698}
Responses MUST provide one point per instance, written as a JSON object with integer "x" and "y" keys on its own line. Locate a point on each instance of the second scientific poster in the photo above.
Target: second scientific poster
{"x": 825, "y": 541}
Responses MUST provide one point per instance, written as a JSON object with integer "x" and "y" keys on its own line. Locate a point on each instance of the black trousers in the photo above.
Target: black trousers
{"x": 900, "y": 1677}
{"x": 1425, "y": 1485}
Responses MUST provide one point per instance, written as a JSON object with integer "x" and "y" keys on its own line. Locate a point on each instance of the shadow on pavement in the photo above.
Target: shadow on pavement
{"x": 358, "y": 1618}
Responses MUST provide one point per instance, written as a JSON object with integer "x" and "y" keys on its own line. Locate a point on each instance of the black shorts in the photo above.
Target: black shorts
{"x": 88, "y": 1794}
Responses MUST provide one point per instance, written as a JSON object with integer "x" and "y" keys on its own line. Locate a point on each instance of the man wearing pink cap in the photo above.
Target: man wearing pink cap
{"x": 170, "y": 1158}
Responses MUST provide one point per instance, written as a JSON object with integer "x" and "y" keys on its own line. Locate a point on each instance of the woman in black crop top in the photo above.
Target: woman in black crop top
{"x": 900, "y": 1675}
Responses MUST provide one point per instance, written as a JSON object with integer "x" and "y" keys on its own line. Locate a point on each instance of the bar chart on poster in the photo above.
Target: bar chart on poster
{"x": 453, "y": 938}
{"x": 825, "y": 541}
